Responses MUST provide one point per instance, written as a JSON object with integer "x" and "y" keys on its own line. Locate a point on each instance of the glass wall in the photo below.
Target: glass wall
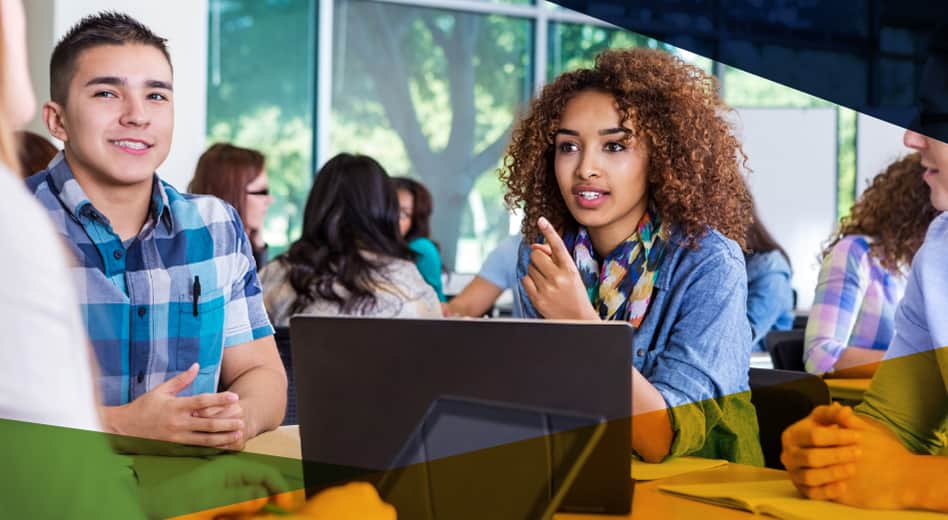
{"x": 432, "y": 94}
{"x": 742, "y": 89}
{"x": 261, "y": 72}
{"x": 429, "y": 88}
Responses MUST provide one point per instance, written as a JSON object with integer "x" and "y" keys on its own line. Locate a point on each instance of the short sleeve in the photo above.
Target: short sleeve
{"x": 500, "y": 267}
{"x": 909, "y": 393}
{"x": 245, "y": 317}
{"x": 429, "y": 263}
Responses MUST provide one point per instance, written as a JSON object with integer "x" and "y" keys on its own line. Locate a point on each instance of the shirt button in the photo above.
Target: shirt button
{"x": 117, "y": 254}
{"x": 141, "y": 377}
{"x": 141, "y": 312}
{"x": 640, "y": 353}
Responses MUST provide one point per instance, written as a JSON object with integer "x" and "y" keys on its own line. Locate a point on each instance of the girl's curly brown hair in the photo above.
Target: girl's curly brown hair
{"x": 694, "y": 171}
{"x": 894, "y": 211}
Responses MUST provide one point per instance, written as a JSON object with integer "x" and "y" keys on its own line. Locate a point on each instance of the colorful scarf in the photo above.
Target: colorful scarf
{"x": 620, "y": 287}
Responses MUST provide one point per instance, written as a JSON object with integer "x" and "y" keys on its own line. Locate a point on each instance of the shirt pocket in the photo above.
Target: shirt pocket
{"x": 200, "y": 335}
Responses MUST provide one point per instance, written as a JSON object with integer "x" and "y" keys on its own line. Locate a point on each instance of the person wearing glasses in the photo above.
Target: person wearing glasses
{"x": 238, "y": 176}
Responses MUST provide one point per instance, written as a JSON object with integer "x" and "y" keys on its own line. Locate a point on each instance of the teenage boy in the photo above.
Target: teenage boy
{"x": 167, "y": 282}
{"x": 887, "y": 454}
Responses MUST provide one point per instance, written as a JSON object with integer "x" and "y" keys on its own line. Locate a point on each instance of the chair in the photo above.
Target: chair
{"x": 800, "y": 321}
{"x": 786, "y": 349}
{"x": 282, "y": 336}
{"x": 782, "y": 397}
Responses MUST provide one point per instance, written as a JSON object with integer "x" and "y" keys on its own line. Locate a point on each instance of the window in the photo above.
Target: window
{"x": 433, "y": 94}
{"x": 430, "y": 88}
{"x": 260, "y": 95}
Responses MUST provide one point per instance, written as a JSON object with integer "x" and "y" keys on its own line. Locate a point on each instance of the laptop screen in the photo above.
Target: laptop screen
{"x": 484, "y": 459}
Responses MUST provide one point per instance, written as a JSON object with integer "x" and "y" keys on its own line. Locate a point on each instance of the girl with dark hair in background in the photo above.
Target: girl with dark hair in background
{"x": 350, "y": 258}
{"x": 237, "y": 175}
{"x": 414, "y": 221}
{"x": 862, "y": 280}
{"x": 769, "y": 295}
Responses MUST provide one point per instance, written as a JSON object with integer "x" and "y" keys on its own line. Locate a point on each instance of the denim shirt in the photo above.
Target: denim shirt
{"x": 694, "y": 346}
{"x": 769, "y": 295}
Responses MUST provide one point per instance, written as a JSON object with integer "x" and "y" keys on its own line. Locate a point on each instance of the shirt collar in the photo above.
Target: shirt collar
{"x": 76, "y": 202}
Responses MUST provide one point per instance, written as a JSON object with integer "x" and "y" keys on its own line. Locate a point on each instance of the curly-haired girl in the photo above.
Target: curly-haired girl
{"x": 633, "y": 163}
{"x": 863, "y": 274}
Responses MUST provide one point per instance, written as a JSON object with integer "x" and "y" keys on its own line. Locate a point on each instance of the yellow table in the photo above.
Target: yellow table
{"x": 845, "y": 389}
{"x": 282, "y": 442}
{"x": 648, "y": 501}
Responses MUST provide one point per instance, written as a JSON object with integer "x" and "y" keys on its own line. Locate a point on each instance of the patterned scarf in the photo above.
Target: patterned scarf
{"x": 620, "y": 288}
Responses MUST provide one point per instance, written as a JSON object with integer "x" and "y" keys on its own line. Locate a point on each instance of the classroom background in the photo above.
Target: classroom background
{"x": 431, "y": 88}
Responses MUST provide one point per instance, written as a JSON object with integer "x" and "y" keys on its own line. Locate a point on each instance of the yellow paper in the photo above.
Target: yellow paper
{"x": 779, "y": 498}
{"x": 671, "y": 467}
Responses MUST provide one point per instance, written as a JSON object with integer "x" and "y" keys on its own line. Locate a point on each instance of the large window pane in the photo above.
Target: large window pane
{"x": 433, "y": 94}
{"x": 743, "y": 89}
{"x": 260, "y": 95}
{"x": 573, "y": 46}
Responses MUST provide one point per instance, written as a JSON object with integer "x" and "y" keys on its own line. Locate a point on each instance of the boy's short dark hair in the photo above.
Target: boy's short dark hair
{"x": 105, "y": 28}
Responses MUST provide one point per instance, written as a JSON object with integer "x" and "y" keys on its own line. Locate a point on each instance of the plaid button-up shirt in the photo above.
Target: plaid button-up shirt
{"x": 178, "y": 293}
{"x": 854, "y": 305}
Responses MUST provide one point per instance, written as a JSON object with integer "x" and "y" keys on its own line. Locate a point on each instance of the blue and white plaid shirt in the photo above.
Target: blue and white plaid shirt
{"x": 181, "y": 291}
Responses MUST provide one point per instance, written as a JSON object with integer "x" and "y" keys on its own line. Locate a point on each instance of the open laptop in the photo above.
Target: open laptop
{"x": 482, "y": 459}
{"x": 364, "y": 384}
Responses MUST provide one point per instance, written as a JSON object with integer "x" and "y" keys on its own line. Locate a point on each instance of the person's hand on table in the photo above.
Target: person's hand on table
{"x": 232, "y": 411}
{"x": 209, "y": 420}
{"x": 224, "y": 487}
{"x": 553, "y": 282}
{"x": 353, "y": 501}
{"x": 835, "y": 455}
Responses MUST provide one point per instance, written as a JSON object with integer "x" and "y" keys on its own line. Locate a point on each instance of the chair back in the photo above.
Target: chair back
{"x": 786, "y": 349}
{"x": 782, "y": 397}
{"x": 282, "y": 337}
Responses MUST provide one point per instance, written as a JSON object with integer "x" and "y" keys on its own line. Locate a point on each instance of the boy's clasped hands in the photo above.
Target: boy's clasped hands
{"x": 834, "y": 454}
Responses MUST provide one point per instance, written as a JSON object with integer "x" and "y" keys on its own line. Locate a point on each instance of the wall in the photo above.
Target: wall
{"x": 182, "y": 22}
{"x": 878, "y": 143}
{"x": 792, "y": 153}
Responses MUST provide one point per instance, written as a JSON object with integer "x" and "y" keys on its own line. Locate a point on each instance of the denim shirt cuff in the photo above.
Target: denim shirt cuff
{"x": 687, "y": 422}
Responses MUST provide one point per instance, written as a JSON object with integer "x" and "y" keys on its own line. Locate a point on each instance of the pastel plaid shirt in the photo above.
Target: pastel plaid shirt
{"x": 178, "y": 293}
{"x": 854, "y": 305}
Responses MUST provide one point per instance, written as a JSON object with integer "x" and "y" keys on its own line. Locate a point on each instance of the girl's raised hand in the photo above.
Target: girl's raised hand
{"x": 553, "y": 283}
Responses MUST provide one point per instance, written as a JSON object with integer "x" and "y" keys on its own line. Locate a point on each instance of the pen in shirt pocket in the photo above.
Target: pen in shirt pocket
{"x": 196, "y": 293}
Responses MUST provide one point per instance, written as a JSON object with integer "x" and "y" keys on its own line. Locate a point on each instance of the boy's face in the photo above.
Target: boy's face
{"x": 119, "y": 115}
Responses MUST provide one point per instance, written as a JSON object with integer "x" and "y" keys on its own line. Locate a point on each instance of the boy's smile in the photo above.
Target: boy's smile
{"x": 119, "y": 115}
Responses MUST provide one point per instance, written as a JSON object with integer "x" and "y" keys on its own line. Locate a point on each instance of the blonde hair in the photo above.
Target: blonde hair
{"x": 7, "y": 147}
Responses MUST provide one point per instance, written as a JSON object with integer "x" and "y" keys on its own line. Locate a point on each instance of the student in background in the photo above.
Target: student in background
{"x": 34, "y": 152}
{"x": 238, "y": 176}
{"x": 498, "y": 274}
{"x": 769, "y": 295}
{"x": 889, "y": 454}
{"x": 47, "y": 374}
{"x": 414, "y": 221}
{"x": 166, "y": 280}
{"x": 633, "y": 163}
{"x": 863, "y": 273}
{"x": 350, "y": 258}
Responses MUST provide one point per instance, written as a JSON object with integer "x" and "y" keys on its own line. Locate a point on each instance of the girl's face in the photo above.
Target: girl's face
{"x": 406, "y": 206}
{"x": 934, "y": 154}
{"x": 258, "y": 200}
{"x": 600, "y": 169}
